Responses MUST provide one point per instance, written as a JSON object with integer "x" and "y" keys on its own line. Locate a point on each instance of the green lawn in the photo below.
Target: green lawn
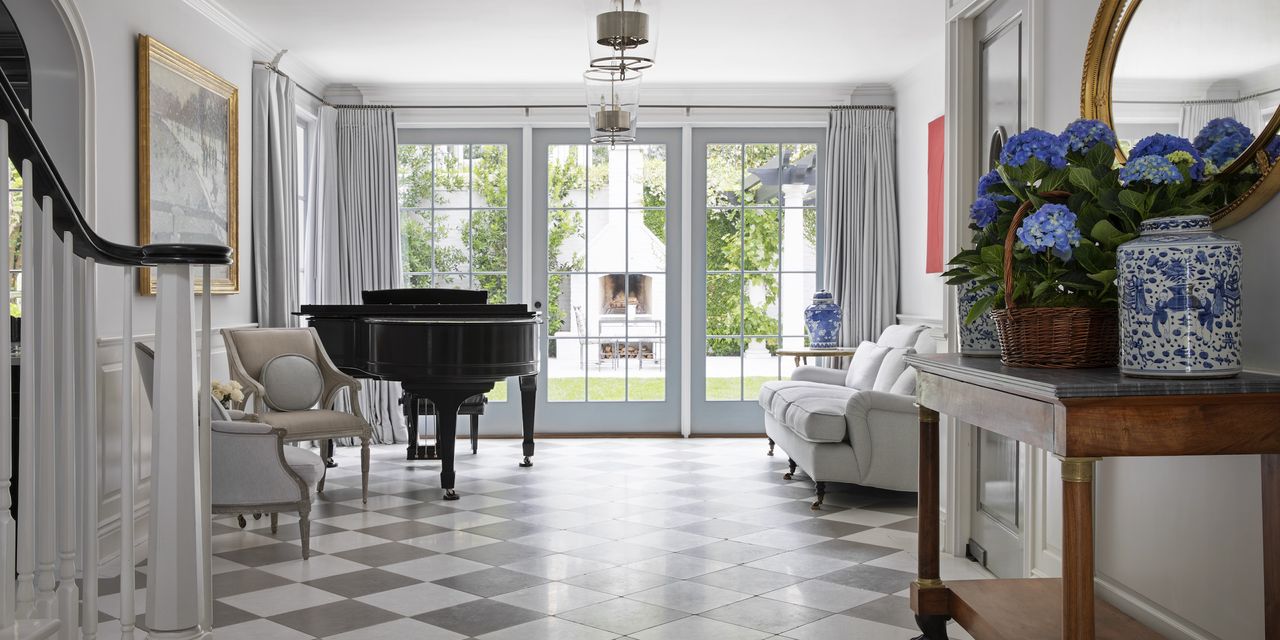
{"x": 606, "y": 389}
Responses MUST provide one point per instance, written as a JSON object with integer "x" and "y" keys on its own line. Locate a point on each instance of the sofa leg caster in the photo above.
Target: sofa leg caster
{"x": 790, "y": 474}
{"x": 770, "y": 446}
{"x": 822, "y": 494}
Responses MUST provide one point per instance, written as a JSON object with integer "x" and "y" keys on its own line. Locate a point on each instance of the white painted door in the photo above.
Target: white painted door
{"x": 999, "y": 506}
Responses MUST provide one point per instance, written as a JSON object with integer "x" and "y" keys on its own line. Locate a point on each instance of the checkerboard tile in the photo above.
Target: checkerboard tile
{"x": 603, "y": 539}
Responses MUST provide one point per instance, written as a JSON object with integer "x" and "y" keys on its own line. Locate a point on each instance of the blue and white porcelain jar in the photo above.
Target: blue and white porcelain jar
{"x": 977, "y": 338}
{"x": 1180, "y": 314}
{"x": 823, "y": 319}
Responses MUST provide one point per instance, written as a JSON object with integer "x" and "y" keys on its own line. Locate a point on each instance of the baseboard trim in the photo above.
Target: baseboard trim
{"x": 1149, "y": 613}
{"x": 728, "y": 435}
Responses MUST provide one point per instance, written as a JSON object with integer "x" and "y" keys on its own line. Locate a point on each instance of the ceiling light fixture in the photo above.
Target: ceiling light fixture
{"x": 613, "y": 105}
{"x": 624, "y": 35}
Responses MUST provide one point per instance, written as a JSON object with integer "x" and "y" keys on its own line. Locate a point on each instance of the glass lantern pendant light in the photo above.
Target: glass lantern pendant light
{"x": 613, "y": 105}
{"x": 624, "y": 34}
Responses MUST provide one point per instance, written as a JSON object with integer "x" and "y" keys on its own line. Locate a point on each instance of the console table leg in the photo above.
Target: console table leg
{"x": 1077, "y": 548}
{"x": 1271, "y": 543}
{"x": 928, "y": 576}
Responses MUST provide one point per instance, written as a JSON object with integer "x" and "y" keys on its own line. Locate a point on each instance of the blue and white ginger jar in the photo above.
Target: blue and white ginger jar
{"x": 1180, "y": 314}
{"x": 977, "y": 338}
{"x": 823, "y": 319}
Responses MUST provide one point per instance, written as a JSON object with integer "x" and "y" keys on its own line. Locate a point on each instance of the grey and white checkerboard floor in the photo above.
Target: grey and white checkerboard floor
{"x": 603, "y": 538}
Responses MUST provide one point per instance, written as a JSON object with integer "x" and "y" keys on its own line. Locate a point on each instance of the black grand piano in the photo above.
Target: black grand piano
{"x": 443, "y": 345}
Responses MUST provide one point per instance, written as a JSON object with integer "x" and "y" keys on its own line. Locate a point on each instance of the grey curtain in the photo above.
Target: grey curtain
{"x": 275, "y": 200}
{"x": 1197, "y": 114}
{"x": 358, "y": 230}
{"x": 860, "y": 265}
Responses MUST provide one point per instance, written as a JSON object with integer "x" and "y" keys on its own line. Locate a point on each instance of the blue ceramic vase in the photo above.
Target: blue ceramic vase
{"x": 823, "y": 319}
{"x": 977, "y": 338}
{"x": 1180, "y": 314}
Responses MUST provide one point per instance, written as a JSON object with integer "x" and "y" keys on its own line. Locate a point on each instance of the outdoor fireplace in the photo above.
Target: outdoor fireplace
{"x": 618, "y": 290}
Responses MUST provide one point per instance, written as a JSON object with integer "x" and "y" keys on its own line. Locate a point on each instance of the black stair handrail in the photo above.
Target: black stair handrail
{"x": 45, "y": 181}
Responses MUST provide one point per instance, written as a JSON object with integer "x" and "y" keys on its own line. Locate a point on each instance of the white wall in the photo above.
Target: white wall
{"x": 1183, "y": 535}
{"x": 921, "y": 97}
{"x": 112, "y": 29}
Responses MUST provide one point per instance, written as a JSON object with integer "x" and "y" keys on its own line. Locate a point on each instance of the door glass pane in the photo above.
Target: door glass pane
{"x": 453, "y": 229}
{"x": 607, "y": 273}
{"x": 761, "y": 262}
{"x": 998, "y": 477}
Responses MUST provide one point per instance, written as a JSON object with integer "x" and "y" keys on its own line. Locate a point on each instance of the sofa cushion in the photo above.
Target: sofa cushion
{"x": 865, "y": 365}
{"x": 818, "y": 418}
{"x": 893, "y": 365}
{"x": 905, "y": 385}
{"x": 900, "y": 335}
{"x": 314, "y": 424}
{"x": 812, "y": 410}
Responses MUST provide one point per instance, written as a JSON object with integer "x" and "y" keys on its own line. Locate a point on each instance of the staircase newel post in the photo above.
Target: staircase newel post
{"x": 173, "y": 563}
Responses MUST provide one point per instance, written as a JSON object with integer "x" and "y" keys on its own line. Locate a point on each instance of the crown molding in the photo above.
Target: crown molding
{"x": 228, "y": 22}
{"x": 533, "y": 94}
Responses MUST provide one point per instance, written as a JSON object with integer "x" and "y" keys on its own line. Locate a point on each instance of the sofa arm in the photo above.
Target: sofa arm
{"x": 823, "y": 375}
{"x": 884, "y": 431}
{"x": 864, "y": 402}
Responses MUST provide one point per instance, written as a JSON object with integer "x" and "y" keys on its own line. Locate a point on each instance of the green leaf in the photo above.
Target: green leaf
{"x": 1133, "y": 200}
{"x": 1107, "y": 277}
{"x": 1083, "y": 178}
{"x": 993, "y": 255}
{"x": 980, "y": 307}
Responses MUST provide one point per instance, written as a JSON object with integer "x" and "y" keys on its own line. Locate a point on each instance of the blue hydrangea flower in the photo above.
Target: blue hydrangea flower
{"x": 1051, "y": 228}
{"x": 1218, "y": 129}
{"x": 1227, "y": 149}
{"x": 1273, "y": 149}
{"x": 1151, "y": 170}
{"x": 1163, "y": 144}
{"x": 1035, "y": 143}
{"x": 990, "y": 180}
{"x": 1083, "y": 135}
{"x": 983, "y": 212}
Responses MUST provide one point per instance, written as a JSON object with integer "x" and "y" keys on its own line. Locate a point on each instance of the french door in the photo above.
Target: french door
{"x": 756, "y": 250}
{"x": 606, "y": 275}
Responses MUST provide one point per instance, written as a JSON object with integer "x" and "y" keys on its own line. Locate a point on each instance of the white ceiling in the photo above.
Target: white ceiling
{"x": 1202, "y": 42}
{"x": 543, "y": 42}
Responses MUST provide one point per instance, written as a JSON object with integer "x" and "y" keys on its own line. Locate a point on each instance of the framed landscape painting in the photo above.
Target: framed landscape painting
{"x": 187, "y": 150}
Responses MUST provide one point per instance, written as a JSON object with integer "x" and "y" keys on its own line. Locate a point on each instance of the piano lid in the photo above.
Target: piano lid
{"x": 425, "y": 296}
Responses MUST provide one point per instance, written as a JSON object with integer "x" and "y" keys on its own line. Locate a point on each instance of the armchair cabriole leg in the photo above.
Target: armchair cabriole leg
{"x": 304, "y": 529}
{"x": 275, "y": 523}
{"x": 792, "y": 472}
{"x": 364, "y": 468}
{"x": 320, "y": 485}
{"x": 821, "y": 488}
{"x": 770, "y": 446}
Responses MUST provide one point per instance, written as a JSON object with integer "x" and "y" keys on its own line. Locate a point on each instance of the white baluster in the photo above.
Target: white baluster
{"x": 203, "y": 400}
{"x": 68, "y": 592}
{"x": 128, "y": 477}
{"x": 173, "y": 563}
{"x": 27, "y": 410}
{"x": 46, "y": 455}
{"x": 89, "y": 453}
{"x": 8, "y": 545}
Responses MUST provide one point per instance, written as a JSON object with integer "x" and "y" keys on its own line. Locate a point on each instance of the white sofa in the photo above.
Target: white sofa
{"x": 859, "y": 425}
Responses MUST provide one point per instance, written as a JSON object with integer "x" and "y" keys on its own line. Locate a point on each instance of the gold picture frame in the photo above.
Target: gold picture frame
{"x": 188, "y": 173}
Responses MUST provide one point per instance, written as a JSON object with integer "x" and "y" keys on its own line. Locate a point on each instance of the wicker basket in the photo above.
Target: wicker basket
{"x": 1058, "y": 337}
{"x": 1053, "y": 337}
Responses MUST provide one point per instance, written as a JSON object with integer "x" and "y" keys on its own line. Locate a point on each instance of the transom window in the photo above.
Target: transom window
{"x": 453, "y": 216}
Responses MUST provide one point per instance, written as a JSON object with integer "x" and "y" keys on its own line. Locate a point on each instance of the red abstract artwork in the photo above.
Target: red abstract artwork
{"x": 934, "y": 230}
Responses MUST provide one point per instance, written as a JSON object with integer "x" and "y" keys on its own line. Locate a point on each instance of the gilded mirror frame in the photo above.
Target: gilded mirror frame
{"x": 1109, "y": 26}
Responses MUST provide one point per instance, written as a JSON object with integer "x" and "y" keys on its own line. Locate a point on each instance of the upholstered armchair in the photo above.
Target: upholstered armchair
{"x": 253, "y": 470}
{"x": 256, "y": 472}
{"x": 294, "y": 385}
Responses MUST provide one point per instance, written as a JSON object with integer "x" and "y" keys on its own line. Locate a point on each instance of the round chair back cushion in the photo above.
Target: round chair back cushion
{"x": 292, "y": 382}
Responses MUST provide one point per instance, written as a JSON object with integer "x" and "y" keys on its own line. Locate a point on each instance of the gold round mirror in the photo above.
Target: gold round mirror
{"x": 1206, "y": 71}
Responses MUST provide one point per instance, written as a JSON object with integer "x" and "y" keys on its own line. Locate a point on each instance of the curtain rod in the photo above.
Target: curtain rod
{"x": 527, "y": 107}
{"x": 1205, "y": 101}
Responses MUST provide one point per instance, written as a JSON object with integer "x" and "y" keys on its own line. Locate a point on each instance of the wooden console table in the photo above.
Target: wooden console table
{"x": 1081, "y": 416}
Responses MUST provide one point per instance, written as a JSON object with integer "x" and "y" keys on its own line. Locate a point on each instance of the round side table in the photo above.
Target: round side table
{"x": 802, "y": 355}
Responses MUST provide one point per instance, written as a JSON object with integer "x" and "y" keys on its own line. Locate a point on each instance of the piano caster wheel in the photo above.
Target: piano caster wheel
{"x": 786, "y": 476}
{"x": 526, "y": 462}
{"x": 450, "y": 494}
{"x": 330, "y": 463}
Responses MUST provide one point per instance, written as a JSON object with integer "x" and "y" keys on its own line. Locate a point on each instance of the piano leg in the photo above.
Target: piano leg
{"x": 528, "y": 398}
{"x": 411, "y": 414}
{"x": 328, "y": 454}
